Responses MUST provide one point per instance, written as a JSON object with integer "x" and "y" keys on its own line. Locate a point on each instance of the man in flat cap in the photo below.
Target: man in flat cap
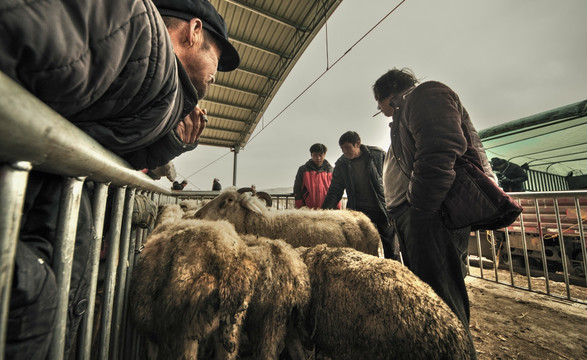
{"x": 110, "y": 68}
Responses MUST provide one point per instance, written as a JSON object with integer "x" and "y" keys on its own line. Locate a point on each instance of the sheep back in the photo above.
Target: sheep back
{"x": 301, "y": 227}
{"x": 167, "y": 213}
{"x": 371, "y": 308}
{"x": 188, "y": 281}
{"x": 281, "y": 295}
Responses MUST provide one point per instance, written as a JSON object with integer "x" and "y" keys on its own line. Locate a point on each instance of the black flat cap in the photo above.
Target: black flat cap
{"x": 212, "y": 21}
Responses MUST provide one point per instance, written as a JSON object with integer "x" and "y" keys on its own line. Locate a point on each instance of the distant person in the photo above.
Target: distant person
{"x": 313, "y": 179}
{"x": 216, "y": 185}
{"x": 511, "y": 176}
{"x": 254, "y": 188}
{"x": 358, "y": 171}
{"x": 431, "y": 132}
{"x": 179, "y": 185}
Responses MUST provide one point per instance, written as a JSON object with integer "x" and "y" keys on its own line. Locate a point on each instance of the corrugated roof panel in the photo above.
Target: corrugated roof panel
{"x": 270, "y": 36}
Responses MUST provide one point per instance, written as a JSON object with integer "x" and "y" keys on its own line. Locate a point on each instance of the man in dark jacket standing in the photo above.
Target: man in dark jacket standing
{"x": 216, "y": 186}
{"x": 430, "y": 131}
{"x": 313, "y": 179}
{"x": 113, "y": 69}
{"x": 359, "y": 171}
{"x": 511, "y": 176}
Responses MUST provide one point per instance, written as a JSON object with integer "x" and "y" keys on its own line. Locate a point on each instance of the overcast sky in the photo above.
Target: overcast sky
{"x": 506, "y": 59}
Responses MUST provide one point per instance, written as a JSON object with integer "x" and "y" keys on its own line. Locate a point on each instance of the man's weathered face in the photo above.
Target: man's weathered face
{"x": 389, "y": 104}
{"x": 318, "y": 158}
{"x": 202, "y": 65}
{"x": 351, "y": 151}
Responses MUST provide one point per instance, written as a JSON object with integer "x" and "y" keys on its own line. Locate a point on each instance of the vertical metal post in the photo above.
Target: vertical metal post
{"x": 582, "y": 237}
{"x": 63, "y": 259}
{"x": 493, "y": 253}
{"x": 525, "y": 248}
{"x": 479, "y": 251}
{"x": 121, "y": 273}
{"x": 13, "y": 182}
{"x": 111, "y": 265}
{"x": 235, "y": 149}
{"x": 542, "y": 248}
{"x": 561, "y": 243}
{"x": 87, "y": 324}
{"x": 509, "y": 253}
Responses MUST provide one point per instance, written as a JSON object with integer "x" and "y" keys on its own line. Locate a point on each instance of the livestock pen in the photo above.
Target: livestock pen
{"x": 34, "y": 138}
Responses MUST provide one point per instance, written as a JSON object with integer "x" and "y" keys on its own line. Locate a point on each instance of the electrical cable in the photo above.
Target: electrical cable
{"x": 313, "y": 82}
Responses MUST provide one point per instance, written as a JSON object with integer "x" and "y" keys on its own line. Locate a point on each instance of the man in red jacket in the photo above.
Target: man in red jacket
{"x": 313, "y": 179}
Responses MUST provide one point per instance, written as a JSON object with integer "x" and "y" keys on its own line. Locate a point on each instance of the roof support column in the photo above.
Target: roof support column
{"x": 235, "y": 150}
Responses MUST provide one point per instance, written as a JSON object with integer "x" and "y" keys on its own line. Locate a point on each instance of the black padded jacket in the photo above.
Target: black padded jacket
{"x": 342, "y": 180}
{"x": 106, "y": 66}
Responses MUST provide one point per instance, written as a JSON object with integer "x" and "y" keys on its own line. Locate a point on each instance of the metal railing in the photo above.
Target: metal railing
{"x": 34, "y": 137}
{"x": 544, "y": 246}
{"x": 542, "y": 181}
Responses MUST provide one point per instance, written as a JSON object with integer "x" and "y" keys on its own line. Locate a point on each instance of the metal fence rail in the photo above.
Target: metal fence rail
{"x": 34, "y": 137}
{"x": 546, "y": 245}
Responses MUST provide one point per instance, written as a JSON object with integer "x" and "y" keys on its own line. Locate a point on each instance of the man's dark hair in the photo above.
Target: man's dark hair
{"x": 318, "y": 148}
{"x": 393, "y": 82}
{"x": 349, "y": 137}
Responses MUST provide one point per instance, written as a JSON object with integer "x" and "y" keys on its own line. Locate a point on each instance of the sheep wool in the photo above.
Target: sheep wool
{"x": 197, "y": 282}
{"x": 167, "y": 213}
{"x": 364, "y": 307}
{"x": 192, "y": 281}
{"x": 299, "y": 227}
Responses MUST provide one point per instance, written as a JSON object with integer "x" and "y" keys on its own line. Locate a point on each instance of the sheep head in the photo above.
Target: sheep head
{"x": 231, "y": 204}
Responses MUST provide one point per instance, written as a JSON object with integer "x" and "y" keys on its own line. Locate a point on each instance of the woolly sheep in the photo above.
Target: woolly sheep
{"x": 364, "y": 307}
{"x": 189, "y": 283}
{"x": 338, "y": 228}
{"x": 197, "y": 280}
{"x": 281, "y": 296}
{"x": 168, "y": 213}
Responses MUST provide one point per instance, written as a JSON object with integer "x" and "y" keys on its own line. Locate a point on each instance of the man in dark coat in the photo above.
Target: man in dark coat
{"x": 511, "y": 176}
{"x": 359, "y": 171}
{"x": 216, "y": 186}
{"x": 129, "y": 80}
{"x": 430, "y": 130}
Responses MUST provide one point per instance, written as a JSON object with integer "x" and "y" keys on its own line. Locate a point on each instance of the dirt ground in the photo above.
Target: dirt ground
{"x": 511, "y": 323}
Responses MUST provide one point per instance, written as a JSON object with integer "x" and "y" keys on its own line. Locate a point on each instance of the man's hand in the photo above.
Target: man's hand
{"x": 191, "y": 127}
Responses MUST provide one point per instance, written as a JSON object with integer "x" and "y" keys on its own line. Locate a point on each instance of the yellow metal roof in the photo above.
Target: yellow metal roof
{"x": 270, "y": 36}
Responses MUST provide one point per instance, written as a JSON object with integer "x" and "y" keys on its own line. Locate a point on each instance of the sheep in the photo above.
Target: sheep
{"x": 281, "y": 297}
{"x": 190, "y": 204}
{"x": 198, "y": 280}
{"x": 168, "y": 213}
{"x": 364, "y": 307}
{"x": 249, "y": 215}
{"x": 189, "y": 283}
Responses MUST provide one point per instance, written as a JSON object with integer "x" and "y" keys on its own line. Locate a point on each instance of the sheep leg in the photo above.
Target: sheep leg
{"x": 190, "y": 350}
{"x": 268, "y": 340}
{"x": 230, "y": 329}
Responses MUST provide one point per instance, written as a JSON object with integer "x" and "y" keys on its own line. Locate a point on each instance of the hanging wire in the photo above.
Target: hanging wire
{"x": 315, "y": 80}
{"x": 194, "y": 173}
{"x": 325, "y": 71}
